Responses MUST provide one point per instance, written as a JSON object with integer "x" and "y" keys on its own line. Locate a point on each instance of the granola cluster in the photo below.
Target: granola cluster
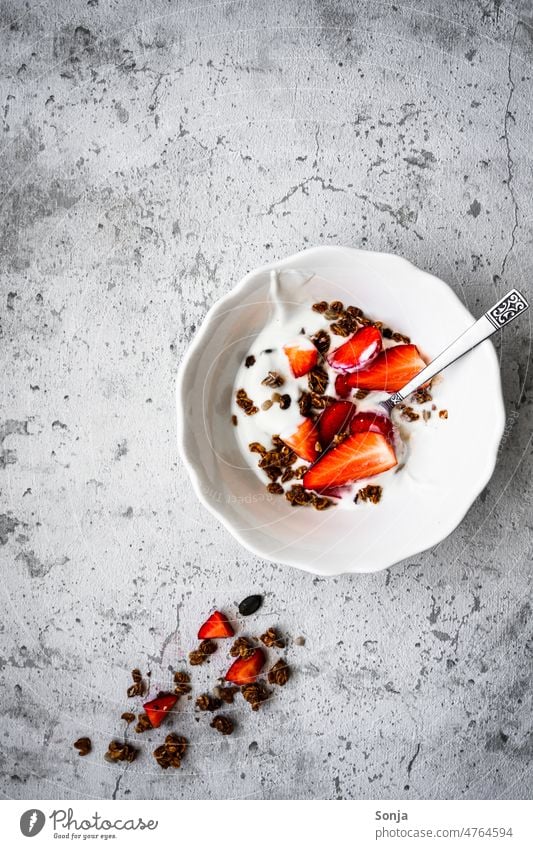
{"x": 83, "y": 745}
{"x": 222, "y": 724}
{"x": 171, "y": 752}
{"x": 138, "y": 688}
{"x": 279, "y": 674}
{"x": 201, "y": 654}
{"x": 120, "y": 752}
{"x": 245, "y": 403}
{"x": 370, "y": 493}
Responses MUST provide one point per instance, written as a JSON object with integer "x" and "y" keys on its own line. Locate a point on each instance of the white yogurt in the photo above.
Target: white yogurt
{"x": 288, "y": 320}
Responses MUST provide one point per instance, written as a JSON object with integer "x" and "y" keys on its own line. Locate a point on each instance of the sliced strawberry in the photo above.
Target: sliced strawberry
{"x": 342, "y": 385}
{"x": 361, "y": 455}
{"x": 302, "y": 356}
{"x": 375, "y": 422}
{"x": 216, "y": 627}
{"x": 246, "y": 669}
{"x": 358, "y": 352}
{"x": 158, "y": 708}
{"x": 303, "y": 440}
{"x": 391, "y": 369}
{"x": 333, "y": 420}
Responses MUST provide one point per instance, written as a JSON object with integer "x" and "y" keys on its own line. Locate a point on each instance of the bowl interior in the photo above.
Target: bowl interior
{"x": 447, "y": 468}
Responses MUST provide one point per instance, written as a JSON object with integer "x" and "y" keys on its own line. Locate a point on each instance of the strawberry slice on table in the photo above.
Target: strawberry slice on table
{"x": 375, "y": 422}
{"x": 302, "y": 356}
{"x": 333, "y": 420}
{"x": 361, "y": 455}
{"x": 358, "y": 352}
{"x": 391, "y": 370}
{"x": 157, "y": 709}
{"x": 216, "y": 627}
{"x": 246, "y": 670}
{"x": 303, "y": 440}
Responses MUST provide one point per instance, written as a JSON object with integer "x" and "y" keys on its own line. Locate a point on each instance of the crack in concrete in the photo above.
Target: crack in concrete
{"x": 303, "y": 186}
{"x": 510, "y": 161}
{"x": 413, "y": 759}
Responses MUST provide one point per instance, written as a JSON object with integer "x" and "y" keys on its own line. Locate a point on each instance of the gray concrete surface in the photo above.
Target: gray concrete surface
{"x": 152, "y": 153}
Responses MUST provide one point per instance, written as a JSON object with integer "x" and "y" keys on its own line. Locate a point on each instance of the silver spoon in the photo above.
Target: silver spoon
{"x": 508, "y": 308}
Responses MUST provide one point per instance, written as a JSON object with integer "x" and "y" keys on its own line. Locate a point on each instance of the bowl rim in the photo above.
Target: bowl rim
{"x": 194, "y": 469}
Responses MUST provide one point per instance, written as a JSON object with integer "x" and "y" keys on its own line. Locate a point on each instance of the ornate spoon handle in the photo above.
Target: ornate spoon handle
{"x": 511, "y": 305}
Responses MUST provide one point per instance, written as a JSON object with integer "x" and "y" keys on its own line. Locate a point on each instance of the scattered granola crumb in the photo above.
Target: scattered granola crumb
{"x": 273, "y": 379}
{"x": 257, "y": 448}
{"x": 354, "y": 312}
{"x": 279, "y": 674}
{"x": 182, "y": 682}
{"x": 321, "y": 341}
{"x": 234, "y": 420}
{"x": 171, "y": 752}
{"x": 426, "y": 415}
{"x": 320, "y": 402}
{"x": 138, "y": 687}
{"x": 266, "y": 405}
{"x": 222, "y": 724}
{"x": 128, "y": 716}
{"x": 249, "y": 361}
{"x": 255, "y": 694}
{"x": 275, "y": 488}
{"x": 271, "y": 639}
{"x": 208, "y": 702}
{"x": 246, "y": 403}
{"x": 421, "y": 396}
{"x": 399, "y": 337}
{"x": 225, "y": 694}
{"x": 120, "y": 752}
{"x": 443, "y": 414}
{"x": 408, "y": 413}
{"x": 298, "y": 496}
{"x": 242, "y": 648}
{"x": 317, "y": 379}
{"x": 334, "y": 309}
{"x": 369, "y": 493}
{"x": 299, "y": 641}
{"x": 361, "y": 393}
{"x": 285, "y": 402}
{"x": 320, "y": 307}
{"x": 340, "y": 328}
{"x": 83, "y": 745}
{"x": 304, "y": 403}
{"x": 143, "y": 723}
{"x": 200, "y": 655}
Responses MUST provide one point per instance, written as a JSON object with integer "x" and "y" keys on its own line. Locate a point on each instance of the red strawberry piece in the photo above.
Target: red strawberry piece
{"x": 361, "y": 455}
{"x": 217, "y": 627}
{"x": 375, "y": 422}
{"x": 358, "y": 352}
{"x": 333, "y": 420}
{"x": 302, "y": 356}
{"x": 303, "y": 440}
{"x": 342, "y": 385}
{"x": 391, "y": 369}
{"x": 246, "y": 669}
{"x": 158, "y": 708}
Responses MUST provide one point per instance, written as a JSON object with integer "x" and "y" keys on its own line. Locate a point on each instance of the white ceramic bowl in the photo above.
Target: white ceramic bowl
{"x": 448, "y": 465}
